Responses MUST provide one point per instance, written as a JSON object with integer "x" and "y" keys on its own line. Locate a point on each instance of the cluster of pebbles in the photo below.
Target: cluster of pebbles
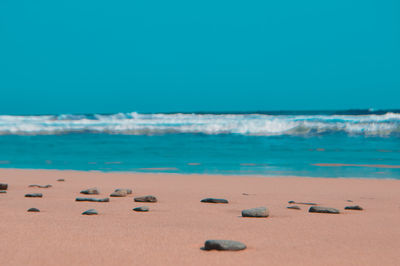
{"x": 214, "y": 244}
{"x": 119, "y": 192}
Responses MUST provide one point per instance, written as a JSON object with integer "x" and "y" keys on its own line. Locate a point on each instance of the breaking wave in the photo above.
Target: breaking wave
{"x": 387, "y": 124}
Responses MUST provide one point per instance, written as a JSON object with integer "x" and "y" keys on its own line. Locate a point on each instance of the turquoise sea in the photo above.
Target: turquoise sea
{"x": 354, "y": 143}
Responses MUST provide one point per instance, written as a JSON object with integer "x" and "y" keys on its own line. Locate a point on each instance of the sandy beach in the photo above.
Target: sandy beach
{"x": 175, "y": 228}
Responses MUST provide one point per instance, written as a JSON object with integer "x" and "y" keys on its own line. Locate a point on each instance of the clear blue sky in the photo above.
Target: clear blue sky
{"x": 70, "y": 56}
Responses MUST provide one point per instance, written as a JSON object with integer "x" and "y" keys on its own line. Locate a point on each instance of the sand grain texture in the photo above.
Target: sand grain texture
{"x": 175, "y": 229}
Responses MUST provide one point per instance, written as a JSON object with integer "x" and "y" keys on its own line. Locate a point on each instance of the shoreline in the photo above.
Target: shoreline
{"x": 198, "y": 174}
{"x": 175, "y": 228}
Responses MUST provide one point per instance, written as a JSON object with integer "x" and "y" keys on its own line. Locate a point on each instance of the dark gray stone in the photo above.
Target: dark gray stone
{"x": 40, "y": 186}
{"x": 320, "y": 209}
{"x": 3, "y": 186}
{"x": 256, "y": 212}
{"x": 214, "y": 200}
{"x": 61, "y": 180}
{"x": 141, "y": 209}
{"x": 91, "y": 191}
{"x": 349, "y": 200}
{"x": 90, "y": 212}
{"x": 34, "y": 195}
{"x": 148, "y": 198}
{"x": 33, "y": 210}
{"x": 224, "y": 245}
{"x": 302, "y": 203}
{"x": 93, "y": 199}
{"x": 293, "y": 207}
{"x": 356, "y": 208}
{"x": 120, "y": 193}
{"x": 127, "y": 190}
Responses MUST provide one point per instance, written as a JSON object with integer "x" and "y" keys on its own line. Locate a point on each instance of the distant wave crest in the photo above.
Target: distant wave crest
{"x": 244, "y": 124}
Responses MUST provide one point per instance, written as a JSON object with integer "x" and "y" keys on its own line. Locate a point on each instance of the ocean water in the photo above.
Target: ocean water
{"x": 356, "y": 143}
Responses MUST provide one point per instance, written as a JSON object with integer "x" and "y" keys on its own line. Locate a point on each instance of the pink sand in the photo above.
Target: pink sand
{"x": 176, "y": 227}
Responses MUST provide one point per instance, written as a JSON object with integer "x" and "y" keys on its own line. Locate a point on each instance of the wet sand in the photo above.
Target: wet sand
{"x": 176, "y": 227}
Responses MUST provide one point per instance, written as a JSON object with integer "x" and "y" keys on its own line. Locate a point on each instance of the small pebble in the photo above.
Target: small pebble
{"x": 141, "y": 209}
{"x": 61, "y": 180}
{"x": 127, "y": 190}
{"x": 33, "y": 210}
{"x": 92, "y": 199}
{"x": 303, "y": 203}
{"x": 293, "y": 207}
{"x": 214, "y": 200}
{"x": 91, "y": 191}
{"x": 39, "y": 186}
{"x": 34, "y": 195}
{"x": 320, "y": 209}
{"x": 356, "y": 208}
{"x": 90, "y": 212}
{"x": 224, "y": 245}
{"x": 3, "y": 186}
{"x": 120, "y": 193}
{"x": 256, "y": 212}
{"x": 148, "y": 198}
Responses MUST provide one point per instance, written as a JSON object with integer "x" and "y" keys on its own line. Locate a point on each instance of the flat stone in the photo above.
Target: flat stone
{"x": 141, "y": 209}
{"x": 302, "y": 203}
{"x": 90, "y": 212}
{"x": 127, "y": 190}
{"x": 214, "y": 200}
{"x": 61, "y": 180}
{"x": 320, "y": 209}
{"x": 34, "y": 195}
{"x": 93, "y": 199}
{"x": 40, "y": 186}
{"x": 256, "y": 212}
{"x": 356, "y": 208}
{"x": 33, "y": 210}
{"x": 148, "y": 198}
{"x": 293, "y": 207}
{"x": 349, "y": 200}
{"x": 91, "y": 191}
{"x": 120, "y": 193}
{"x": 3, "y": 191}
{"x": 3, "y": 186}
{"x": 224, "y": 245}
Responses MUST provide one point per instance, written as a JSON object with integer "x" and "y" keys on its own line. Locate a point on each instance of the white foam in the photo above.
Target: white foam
{"x": 244, "y": 124}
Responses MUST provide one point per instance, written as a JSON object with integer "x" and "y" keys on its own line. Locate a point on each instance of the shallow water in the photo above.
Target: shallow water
{"x": 211, "y": 154}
